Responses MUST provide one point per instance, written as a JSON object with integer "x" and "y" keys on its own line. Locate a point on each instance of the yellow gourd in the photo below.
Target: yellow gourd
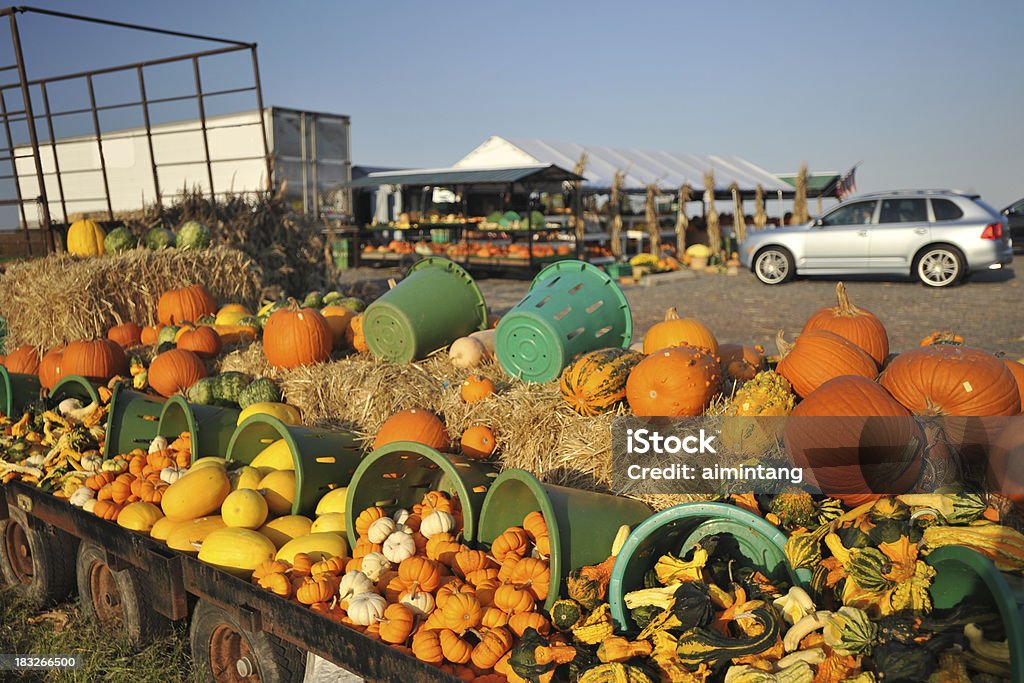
{"x": 244, "y": 508}
{"x": 209, "y": 461}
{"x": 164, "y": 526}
{"x": 190, "y": 532}
{"x": 333, "y": 501}
{"x": 278, "y": 488}
{"x": 284, "y": 529}
{"x": 276, "y": 456}
{"x": 238, "y": 551}
{"x": 246, "y": 477}
{"x": 85, "y": 238}
{"x": 196, "y": 494}
{"x": 318, "y": 546}
{"x": 139, "y": 516}
{"x": 333, "y": 522}
{"x": 231, "y": 314}
{"x": 282, "y": 411}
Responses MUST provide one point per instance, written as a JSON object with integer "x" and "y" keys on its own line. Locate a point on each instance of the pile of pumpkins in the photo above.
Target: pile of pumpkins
{"x": 86, "y": 238}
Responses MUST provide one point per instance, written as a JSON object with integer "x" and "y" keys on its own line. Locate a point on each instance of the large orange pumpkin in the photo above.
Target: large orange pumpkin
{"x": 338, "y": 319}
{"x": 175, "y": 370}
{"x": 856, "y": 440}
{"x": 187, "y": 304}
{"x": 50, "y": 370}
{"x": 1017, "y": 370}
{"x": 415, "y": 424}
{"x": 97, "y": 360}
{"x": 675, "y": 381}
{"x": 854, "y": 324}
{"x": 675, "y": 331}
{"x": 126, "y": 334}
{"x": 202, "y": 340}
{"x": 952, "y": 380}
{"x": 820, "y": 355}
{"x": 294, "y": 337}
{"x": 23, "y": 360}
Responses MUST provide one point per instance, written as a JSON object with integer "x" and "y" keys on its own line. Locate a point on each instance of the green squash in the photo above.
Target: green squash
{"x": 643, "y": 614}
{"x": 207, "y": 320}
{"x": 889, "y": 508}
{"x": 803, "y": 550}
{"x": 229, "y": 386}
{"x": 193, "y": 235}
{"x": 158, "y": 238}
{"x": 167, "y": 334}
{"x": 795, "y": 508}
{"x": 119, "y": 240}
{"x": 866, "y": 567}
{"x": 262, "y": 390}
{"x": 699, "y": 645}
{"x": 967, "y": 508}
{"x": 565, "y": 614}
{"x": 202, "y": 392}
{"x": 354, "y": 303}
{"x": 693, "y": 605}
{"x": 251, "y": 321}
{"x": 313, "y": 300}
{"x": 849, "y": 631}
{"x": 332, "y": 298}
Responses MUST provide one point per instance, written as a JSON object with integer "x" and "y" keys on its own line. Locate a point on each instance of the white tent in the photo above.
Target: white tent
{"x": 666, "y": 169}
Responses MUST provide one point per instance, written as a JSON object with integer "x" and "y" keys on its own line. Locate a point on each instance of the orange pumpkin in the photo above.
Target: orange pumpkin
{"x": 533, "y": 575}
{"x": 97, "y": 360}
{"x": 416, "y": 424}
{"x": 856, "y": 325}
{"x": 535, "y": 524}
{"x": 175, "y": 370}
{"x": 420, "y": 574}
{"x": 511, "y": 599}
{"x": 512, "y": 541}
{"x": 338, "y": 319}
{"x": 673, "y": 382}
{"x": 426, "y": 645}
{"x": 461, "y": 612}
{"x": 187, "y": 304}
{"x": 50, "y": 367}
{"x": 741, "y": 362}
{"x": 397, "y": 624}
{"x": 126, "y": 334}
{"x": 23, "y": 360}
{"x": 107, "y": 509}
{"x": 820, "y": 355}
{"x": 524, "y": 620}
{"x": 476, "y": 388}
{"x": 1017, "y": 370}
{"x": 455, "y": 649}
{"x": 478, "y": 442}
{"x": 294, "y": 337}
{"x": 675, "y": 331}
{"x": 202, "y": 340}
{"x": 150, "y": 333}
{"x": 354, "y": 336}
{"x": 494, "y": 644}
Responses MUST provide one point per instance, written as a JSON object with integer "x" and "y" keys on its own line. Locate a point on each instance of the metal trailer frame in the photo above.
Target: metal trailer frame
{"x": 27, "y": 115}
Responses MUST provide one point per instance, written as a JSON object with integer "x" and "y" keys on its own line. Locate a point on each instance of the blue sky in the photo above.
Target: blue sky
{"x": 925, "y": 94}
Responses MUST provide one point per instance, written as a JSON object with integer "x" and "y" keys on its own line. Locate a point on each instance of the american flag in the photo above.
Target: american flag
{"x": 847, "y": 184}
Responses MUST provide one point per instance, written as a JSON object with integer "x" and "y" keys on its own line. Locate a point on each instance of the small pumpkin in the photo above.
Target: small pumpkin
{"x": 186, "y": 304}
{"x": 478, "y": 442}
{"x": 535, "y": 525}
{"x": 467, "y": 352}
{"x": 399, "y": 547}
{"x": 367, "y": 608}
{"x": 368, "y": 517}
{"x": 455, "y": 649}
{"x": 532, "y": 574}
{"x": 338, "y": 319}
{"x": 818, "y": 356}
{"x": 420, "y": 603}
{"x": 741, "y": 362}
{"x": 676, "y": 331}
{"x": 354, "y": 336}
{"x": 277, "y": 583}
{"x": 426, "y": 646}
{"x": 320, "y": 588}
{"x": 419, "y": 573}
{"x": 437, "y": 522}
{"x": 512, "y": 599}
{"x": 476, "y": 388}
{"x": 127, "y": 334}
{"x": 521, "y": 621}
{"x": 513, "y": 541}
{"x": 415, "y": 424}
{"x": 461, "y": 611}
{"x": 396, "y": 624}
{"x": 202, "y": 341}
{"x": 857, "y": 325}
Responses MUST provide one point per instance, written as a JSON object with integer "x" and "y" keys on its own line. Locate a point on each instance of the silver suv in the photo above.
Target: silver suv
{"x": 937, "y": 236}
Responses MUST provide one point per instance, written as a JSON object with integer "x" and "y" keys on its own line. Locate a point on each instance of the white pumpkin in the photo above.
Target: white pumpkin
{"x": 367, "y": 609}
{"x": 380, "y": 529}
{"x": 374, "y": 564}
{"x": 419, "y": 603}
{"x": 92, "y": 463}
{"x": 158, "y": 444}
{"x": 68, "y": 405}
{"x": 81, "y": 496}
{"x": 401, "y": 514}
{"x": 399, "y": 546}
{"x": 466, "y": 352}
{"x": 89, "y": 505}
{"x": 437, "y": 522}
{"x": 352, "y": 584}
{"x": 172, "y": 474}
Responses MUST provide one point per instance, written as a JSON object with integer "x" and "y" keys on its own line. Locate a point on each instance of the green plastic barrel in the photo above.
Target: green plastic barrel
{"x": 678, "y": 529}
{"x": 572, "y": 307}
{"x": 323, "y": 459}
{"x": 75, "y": 386}
{"x": 16, "y": 391}
{"x": 435, "y": 303}
{"x": 133, "y": 420}
{"x": 210, "y": 427}
{"x": 962, "y": 574}
{"x": 581, "y": 524}
{"x": 399, "y": 474}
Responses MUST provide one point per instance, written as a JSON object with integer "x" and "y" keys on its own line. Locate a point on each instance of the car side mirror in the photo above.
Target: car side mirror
{"x": 818, "y": 222}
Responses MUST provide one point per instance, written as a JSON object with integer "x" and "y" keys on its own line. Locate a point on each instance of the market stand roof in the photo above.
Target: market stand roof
{"x": 539, "y": 173}
{"x": 642, "y": 167}
{"x": 818, "y": 184}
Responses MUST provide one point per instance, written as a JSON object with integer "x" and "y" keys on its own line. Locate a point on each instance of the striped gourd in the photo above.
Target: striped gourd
{"x": 593, "y": 383}
{"x": 866, "y": 566}
{"x": 1001, "y": 544}
{"x": 699, "y": 645}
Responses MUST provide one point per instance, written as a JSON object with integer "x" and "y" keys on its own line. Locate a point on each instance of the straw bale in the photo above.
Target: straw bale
{"x": 60, "y": 298}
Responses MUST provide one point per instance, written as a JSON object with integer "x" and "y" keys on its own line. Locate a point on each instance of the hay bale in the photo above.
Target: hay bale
{"x": 60, "y": 298}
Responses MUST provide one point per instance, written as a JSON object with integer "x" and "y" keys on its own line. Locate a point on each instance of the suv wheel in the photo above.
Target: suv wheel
{"x": 939, "y": 266}
{"x": 773, "y": 266}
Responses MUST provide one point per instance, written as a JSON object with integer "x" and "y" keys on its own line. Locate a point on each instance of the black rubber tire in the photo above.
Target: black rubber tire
{"x": 782, "y": 259}
{"x": 274, "y": 660}
{"x": 52, "y": 576}
{"x": 124, "y": 604}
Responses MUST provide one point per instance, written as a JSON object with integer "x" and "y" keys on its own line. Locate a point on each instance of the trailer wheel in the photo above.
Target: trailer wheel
{"x": 227, "y": 653}
{"x": 117, "y": 599}
{"x": 37, "y": 562}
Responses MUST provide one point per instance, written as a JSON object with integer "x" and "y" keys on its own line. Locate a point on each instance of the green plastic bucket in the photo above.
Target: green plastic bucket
{"x": 133, "y": 420}
{"x": 210, "y": 427}
{"x": 677, "y": 529}
{"x": 962, "y": 574}
{"x": 323, "y": 459}
{"x": 436, "y": 303}
{"x": 572, "y": 307}
{"x": 399, "y": 474}
{"x": 75, "y": 386}
{"x": 581, "y": 524}
{"x": 16, "y": 391}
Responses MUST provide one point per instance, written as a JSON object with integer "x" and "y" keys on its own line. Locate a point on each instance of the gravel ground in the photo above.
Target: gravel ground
{"x": 988, "y": 311}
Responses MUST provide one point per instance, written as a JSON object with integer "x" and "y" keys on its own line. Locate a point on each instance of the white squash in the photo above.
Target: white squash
{"x": 401, "y": 514}
{"x": 92, "y": 463}
{"x": 367, "y": 609}
{"x": 158, "y": 444}
{"x": 374, "y": 564}
{"x": 437, "y": 522}
{"x": 419, "y": 603}
{"x": 352, "y": 584}
{"x": 486, "y": 339}
{"x": 81, "y": 496}
{"x": 399, "y": 546}
{"x": 380, "y": 529}
{"x": 89, "y": 505}
{"x": 68, "y": 405}
{"x": 172, "y": 474}
{"x": 466, "y": 352}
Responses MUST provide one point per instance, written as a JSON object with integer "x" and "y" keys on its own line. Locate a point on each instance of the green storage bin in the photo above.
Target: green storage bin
{"x": 581, "y": 524}
{"x": 341, "y": 253}
{"x": 323, "y": 459}
{"x": 436, "y": 303}
{"x": 76, "y": 386}
{"x": 678, "y": 529}
{"x": 133, "y": 420}
{"x": 399, "y": 474}
{"x": 572, "y": 307}
{"x": 210, "y": 427}
{"x": 16, "y": 391}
